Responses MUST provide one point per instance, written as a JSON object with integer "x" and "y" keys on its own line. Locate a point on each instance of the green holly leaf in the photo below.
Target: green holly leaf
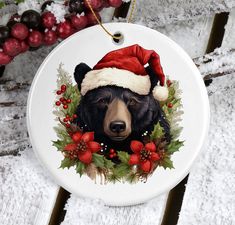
{"x": 123, "y": 156}
{"x": 98, "y": 160}
{"x": 157, "y": 132}
{"x": 122, "y": 170}
{"x": 174, "y": 146}
{"x": 108, "y": 163}
{"x": 59, "y": 144}
{"x": 80, "y": 168}
{"x": 67, "y": 163}
{"x": 167, "y": 163}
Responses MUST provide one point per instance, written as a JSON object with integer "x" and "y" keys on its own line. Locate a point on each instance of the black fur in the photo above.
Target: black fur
{"x": 91, "y": 111}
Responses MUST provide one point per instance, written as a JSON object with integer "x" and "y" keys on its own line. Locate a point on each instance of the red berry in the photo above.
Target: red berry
{"x": 170, "y": 105}
{"x": 61, "y": 99}
{"x": 68, "y": 101}
{"x": 12, "y": 47}
{"x": 19, "y": 31}
{"x": 63, "y": 87}
{"x": 35, "y": 38}
{"x": 65, "y": 120}
{"x": 50, "y": 37}
{"x": 24, "y": 46}
{"x": 115, "y": 3}
{"x": 4, "y": 58}
{"x": 75, "y": 116}
{"x": 111, "y": 156}
{"x": 112, "y": 151}
{"x": 58, "y": 103}
{"x": 76, "y": 137}
{"x": 48, "y": 19}
{"x": 58, "y": 92}
{"x": 65, "y": 106}
{"x": 64, "y": 102}
{"x": 91, "y": 18}
{"x": 67, "y": 125}
{"x": 67, "y": 116}
{"x": 79, "y": 22}
{"x": 114, "y": 154}
{"x": 64, "y": 29}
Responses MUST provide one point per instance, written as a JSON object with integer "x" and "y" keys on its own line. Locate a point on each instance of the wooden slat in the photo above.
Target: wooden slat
{"x": 161, "y": 12}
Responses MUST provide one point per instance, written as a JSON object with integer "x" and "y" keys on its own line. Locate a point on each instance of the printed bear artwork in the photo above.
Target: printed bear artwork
{"x": 121, "y": 120}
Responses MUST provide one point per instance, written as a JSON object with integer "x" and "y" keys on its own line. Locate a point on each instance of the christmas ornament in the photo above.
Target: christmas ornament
{"x": 19, "y": 31}
{"x": 35, "y": 39}
{"x": 121, "y": 95}
{"x": 45, "y": 4}
{"x": 4, "y": 58}
{"x": 31, "y": 19}
{"x": 4, "y": 33}
{"x": 115, "y": 3}
{"x": 64, "y": 29}
{"x": 79, "y": 22}
{"x": 48, "y": 19}
{"x": 95, "y": 4}
{"x": 50, "y": 37}
{"x": 91, "y": 19}
{"x": 24, "y": 47}
{"x": 11, "y": 47}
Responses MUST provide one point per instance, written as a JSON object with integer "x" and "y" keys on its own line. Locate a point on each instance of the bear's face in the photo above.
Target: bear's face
{"x": 117, "y": 113}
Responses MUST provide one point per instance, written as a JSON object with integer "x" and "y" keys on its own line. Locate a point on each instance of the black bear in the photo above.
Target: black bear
{"x": 119, "y": 101}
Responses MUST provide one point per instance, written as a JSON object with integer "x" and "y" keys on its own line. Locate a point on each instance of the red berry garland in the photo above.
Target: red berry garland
{"x": 15, "y": 37}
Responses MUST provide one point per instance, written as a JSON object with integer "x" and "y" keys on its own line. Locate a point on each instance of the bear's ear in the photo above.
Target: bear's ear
{"x": 79, "y": 73}
{"x": 153, "y": 78}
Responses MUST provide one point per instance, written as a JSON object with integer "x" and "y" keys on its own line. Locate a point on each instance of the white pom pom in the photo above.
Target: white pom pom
{"x": 160, "y": 93}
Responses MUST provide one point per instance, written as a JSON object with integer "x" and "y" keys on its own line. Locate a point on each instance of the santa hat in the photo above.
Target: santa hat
{"x": 126, "y": 68}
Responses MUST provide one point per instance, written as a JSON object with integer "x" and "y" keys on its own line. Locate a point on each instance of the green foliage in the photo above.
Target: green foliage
{"x": 157, "y": 132}
{"x": 123, "y": 156}
{"x": 167, "y": 163}
{"x": 67, "y": 163}
{"x": 101, "y": 162}
{"x": 2, "y": 4}
{"x": 174, "y": 146}
{"x": 80, "y": 168}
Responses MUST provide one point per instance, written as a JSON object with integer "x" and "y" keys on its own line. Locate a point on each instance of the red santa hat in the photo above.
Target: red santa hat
{"x": 126, "y": 68}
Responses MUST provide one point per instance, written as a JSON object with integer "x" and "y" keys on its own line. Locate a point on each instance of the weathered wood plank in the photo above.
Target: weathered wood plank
{"x": 162, "y": 12}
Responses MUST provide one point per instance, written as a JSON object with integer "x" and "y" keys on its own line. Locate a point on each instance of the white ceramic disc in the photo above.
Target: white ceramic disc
{"x": 89, "y": 46}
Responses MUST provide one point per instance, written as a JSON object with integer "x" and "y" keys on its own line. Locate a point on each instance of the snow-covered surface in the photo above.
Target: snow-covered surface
{"x": 161, "y": 12}
{"x": 27, "y": 195}
{"x": 89, "y": 212}
{"x": 210, "y": 193}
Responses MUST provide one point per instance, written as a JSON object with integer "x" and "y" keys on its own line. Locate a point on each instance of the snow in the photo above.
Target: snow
{"x": 59, "y": 11}
{"x": 26, "y": 193}
{"x": 28, "y": 4}
{"x": 89, "y": 212}
{"x": 210, "y": 193}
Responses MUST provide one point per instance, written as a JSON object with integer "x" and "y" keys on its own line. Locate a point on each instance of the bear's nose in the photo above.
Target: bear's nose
{"x": 117, "y": 126}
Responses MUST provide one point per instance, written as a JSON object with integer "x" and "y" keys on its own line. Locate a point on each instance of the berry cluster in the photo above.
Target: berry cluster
{"x": 32, "y": 29}
{"x": 112, "y": 154}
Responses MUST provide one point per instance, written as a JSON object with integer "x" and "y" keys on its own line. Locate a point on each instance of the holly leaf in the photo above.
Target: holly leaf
{"x": 108, "y": 163}
{"x": 167, "y": 163}
{"x": 174, "y": 146}
{"x": 59, "y": 144}
{"x": 98, "y": 160}
{"x": 124, "y": 157}
{"x": 80, "y": 168}
{"x": 122, "y": 170}
{"x": 157, "y": 132}
{"x": 67, "y": 163}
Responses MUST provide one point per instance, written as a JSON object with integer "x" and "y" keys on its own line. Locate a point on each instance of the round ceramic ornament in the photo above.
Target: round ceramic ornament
{"x": 122, "y": 122}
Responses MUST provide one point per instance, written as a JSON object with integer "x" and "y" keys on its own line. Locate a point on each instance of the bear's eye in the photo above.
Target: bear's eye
{"x": 102, "y": 101}
{"x": 132, "y": 101}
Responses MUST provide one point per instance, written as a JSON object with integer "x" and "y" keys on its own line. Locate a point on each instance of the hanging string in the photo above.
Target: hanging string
{"x": 103, "y": 27}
